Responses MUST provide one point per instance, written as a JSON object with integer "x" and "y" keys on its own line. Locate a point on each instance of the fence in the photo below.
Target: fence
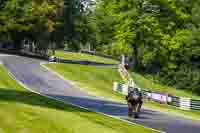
{"x": 179, "y": 102}
{"x": 25, "y": 54}
{"x": 82, "y": 62}
{"x": 163, "y": 98}
{"x": 94, "y": 53}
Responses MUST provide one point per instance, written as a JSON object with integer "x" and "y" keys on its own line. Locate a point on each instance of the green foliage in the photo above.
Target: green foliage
{"x": 160, "y": 36}
{"x": 76, "y": 27}
{"x": 44, "y": 22}
{"x": 35, "y": 20}
{"x": 101, "y": 80}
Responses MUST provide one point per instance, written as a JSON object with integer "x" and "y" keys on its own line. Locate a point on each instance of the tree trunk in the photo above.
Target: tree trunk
{"x": 135, "y": 61}
{"x": 53, "y": 48}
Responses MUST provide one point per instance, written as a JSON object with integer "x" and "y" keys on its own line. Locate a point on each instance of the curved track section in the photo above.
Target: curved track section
{"x": 45, "y": 82}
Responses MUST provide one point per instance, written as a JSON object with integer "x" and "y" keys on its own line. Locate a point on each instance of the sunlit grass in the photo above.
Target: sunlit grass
{"x": 22, "y": 111}
{"x": 85, "y": 57}
{"x": 99, "y": 81}
{"x": 150, "y": 85}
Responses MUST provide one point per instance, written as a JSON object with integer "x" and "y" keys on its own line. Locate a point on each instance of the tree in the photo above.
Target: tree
{"x": 160, "y": 36}
{"x": 35, "y": 19}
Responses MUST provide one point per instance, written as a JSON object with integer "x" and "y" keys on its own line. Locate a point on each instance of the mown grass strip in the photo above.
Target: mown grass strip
{"x": 99, "y": 81}
{"x": 24, "y": 111}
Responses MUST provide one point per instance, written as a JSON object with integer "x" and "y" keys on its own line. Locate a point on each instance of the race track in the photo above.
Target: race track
{"x": 40, "y": 80}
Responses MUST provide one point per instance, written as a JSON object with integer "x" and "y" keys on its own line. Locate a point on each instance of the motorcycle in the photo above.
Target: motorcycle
{"x": 135, "y": 102}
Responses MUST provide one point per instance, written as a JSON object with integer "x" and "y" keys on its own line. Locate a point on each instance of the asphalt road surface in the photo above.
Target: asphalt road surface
{"x": 39, "y": 79}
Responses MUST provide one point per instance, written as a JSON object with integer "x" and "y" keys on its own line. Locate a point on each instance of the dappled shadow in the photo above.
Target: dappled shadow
{"x": 95, "y": 104}
{"x": 103, "y": 106}
{"x": 30, "y": 98}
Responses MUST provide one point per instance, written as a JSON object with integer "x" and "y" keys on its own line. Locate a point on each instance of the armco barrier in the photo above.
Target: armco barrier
{"x": 195, "y": 104}
{"x": 83, "y": 62}
{"x": 185, "y": 103}
{"x": 93, "y": 53}
{"x": 25, "y": 54}
{"x": 175, "y": 101}
{"x": 179, "y": 102}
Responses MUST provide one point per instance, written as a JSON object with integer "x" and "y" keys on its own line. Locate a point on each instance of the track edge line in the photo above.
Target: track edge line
{"x": 65, "y": 102}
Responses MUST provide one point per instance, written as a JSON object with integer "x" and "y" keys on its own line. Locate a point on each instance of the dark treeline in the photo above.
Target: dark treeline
{"x": 160, "y": 37}
{"x": 39, "y": 21}
{"x": 43, "y": 23}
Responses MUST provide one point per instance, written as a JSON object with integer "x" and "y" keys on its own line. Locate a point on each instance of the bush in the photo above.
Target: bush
{"x": 185, "y": 77}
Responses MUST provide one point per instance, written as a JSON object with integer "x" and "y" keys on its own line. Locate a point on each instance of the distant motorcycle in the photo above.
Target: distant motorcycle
{"x": 134, "y": 101}
{"x": 52, "y": 59}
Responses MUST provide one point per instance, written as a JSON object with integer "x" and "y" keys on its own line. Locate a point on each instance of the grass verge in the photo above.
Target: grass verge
{"x": 150, "y": 85}
{"x": 99, "y": 80}
{"x": 82, "y": 56}
{"x": 26, "y": 112}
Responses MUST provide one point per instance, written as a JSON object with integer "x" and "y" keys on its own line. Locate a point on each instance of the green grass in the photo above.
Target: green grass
{"x": 150, "y": 85}
{"x": 82, "y": 56}
{"x": 94, "y": 79}
{"x": 22, "y": 111}
{"x": 99, "y": 81}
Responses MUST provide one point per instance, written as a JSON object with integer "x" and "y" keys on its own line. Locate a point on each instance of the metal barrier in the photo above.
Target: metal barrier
{"x": 195, "y": 104}
{"x": 82, "y": 62}
{"x": 175, "y": 101}
{"x": 179, "y": 102}
{"x": 25, "y": 54}
{"x": 163, "y": 98}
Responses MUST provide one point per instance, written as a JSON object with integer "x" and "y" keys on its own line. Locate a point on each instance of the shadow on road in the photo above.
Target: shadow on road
{"x": 30, "y": 98}
{"x": 148, "y": 118}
